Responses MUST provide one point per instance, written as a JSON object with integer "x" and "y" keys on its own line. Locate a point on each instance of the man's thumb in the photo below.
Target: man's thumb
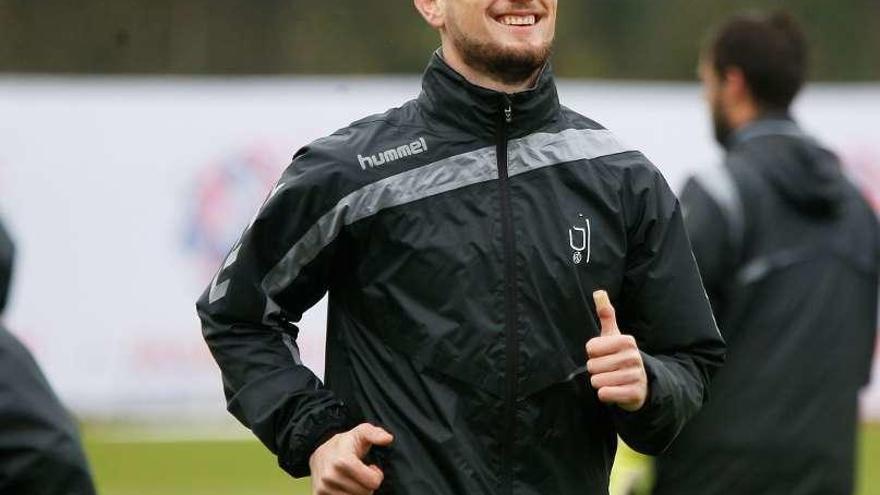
{"x": 606, "y": 313}
{"x": 373, "y": 435}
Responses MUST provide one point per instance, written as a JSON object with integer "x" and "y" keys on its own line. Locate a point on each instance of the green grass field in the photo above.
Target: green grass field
{"x": 869, "y": 460}
{"x": 244, "y": 467}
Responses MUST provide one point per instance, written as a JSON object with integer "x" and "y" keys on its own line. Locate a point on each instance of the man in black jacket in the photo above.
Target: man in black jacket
{"x": 789, "y": 252}
{"x": 40, "y": 452}
{"x": 460, "y": 238}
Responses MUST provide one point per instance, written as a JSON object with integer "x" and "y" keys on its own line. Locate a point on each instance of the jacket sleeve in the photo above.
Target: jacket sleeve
{"x": 280, "y": 267}
{"x": 7, "y": 252}
{"x": 873, "y": 327}
{"x": 40, "y": 445}
{"x": 873, "y": 330}
{"x": 714, "y": 217}
{"x": 709, "y": 232}
{"x": 663, "y": 304}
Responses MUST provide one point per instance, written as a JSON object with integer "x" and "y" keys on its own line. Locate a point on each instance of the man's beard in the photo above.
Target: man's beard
{"x": 723, "y": 130}
{"x": 509, "y": 66}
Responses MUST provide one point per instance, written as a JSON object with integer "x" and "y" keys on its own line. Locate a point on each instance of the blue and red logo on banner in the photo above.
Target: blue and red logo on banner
{"x": 225, "y": 196}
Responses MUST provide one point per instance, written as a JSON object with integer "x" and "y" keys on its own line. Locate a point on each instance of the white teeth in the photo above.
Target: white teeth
{"x": 518, "y": 20}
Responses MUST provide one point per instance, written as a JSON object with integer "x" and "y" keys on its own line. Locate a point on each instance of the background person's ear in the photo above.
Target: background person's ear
{"x": 735, "y": 84}
{"x": 432, "y": 11}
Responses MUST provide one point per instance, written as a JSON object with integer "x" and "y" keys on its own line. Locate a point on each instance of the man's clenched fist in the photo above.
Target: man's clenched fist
{"x": 614, "y": 362}
{"x": 337, "y": 468}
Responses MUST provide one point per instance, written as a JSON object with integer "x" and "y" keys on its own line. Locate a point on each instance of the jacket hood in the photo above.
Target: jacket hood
{"x": 804, "y": 172}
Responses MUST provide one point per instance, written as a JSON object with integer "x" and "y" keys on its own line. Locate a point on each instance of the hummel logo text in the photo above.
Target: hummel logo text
{"x": 381, "y": 158}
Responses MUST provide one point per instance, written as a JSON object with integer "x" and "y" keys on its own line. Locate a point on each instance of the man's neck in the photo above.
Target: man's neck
{"x": 477, "y": 78}
{"x": 743, "y": 114}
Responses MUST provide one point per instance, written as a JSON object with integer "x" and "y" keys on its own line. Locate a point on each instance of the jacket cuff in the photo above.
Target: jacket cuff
{"x": 311, "y": 433}
{"x": 646, "y": 430}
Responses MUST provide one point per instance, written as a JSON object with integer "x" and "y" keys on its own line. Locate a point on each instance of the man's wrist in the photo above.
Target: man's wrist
{"x": 319, "y": 428}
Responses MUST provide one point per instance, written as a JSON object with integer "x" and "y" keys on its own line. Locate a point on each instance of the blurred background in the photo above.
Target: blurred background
{"x": 138, "y": 137}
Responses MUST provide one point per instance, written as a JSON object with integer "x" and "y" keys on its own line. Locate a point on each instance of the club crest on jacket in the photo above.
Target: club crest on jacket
{"x": 579, "y": 239}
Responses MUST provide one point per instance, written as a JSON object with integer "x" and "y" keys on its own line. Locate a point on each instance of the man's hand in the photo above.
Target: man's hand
{"x": 614, "y": 362}
{"x": 337, "y": 468}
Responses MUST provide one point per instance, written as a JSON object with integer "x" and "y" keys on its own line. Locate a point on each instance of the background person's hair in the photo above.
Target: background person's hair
{"x": 771, "y": 51}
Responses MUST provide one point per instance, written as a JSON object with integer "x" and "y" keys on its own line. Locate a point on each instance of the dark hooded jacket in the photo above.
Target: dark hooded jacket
{"x": 40, "y": 452}
{"x": 460, "y": 237}
{"x": 789, "y": 252}
{"x": 7, "y": 252}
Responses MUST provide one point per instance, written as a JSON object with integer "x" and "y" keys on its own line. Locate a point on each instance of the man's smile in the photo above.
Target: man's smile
{"x": 517, "y": 20}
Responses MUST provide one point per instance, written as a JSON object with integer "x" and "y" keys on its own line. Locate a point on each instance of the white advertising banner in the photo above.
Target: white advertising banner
{"x": 123, "y": 195}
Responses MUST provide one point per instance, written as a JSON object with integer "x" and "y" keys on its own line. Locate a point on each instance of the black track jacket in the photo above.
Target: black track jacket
{"x": 790, "y": 252}
{"x": 40, "y": 449}
{"x": 460, "y": 237}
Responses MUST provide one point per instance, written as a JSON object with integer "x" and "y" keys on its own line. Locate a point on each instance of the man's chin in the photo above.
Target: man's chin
{"x": 513, "y": 64}
{"x": 520, "y": 65}
{"x": 523, "y": 51}
{"x": 534, "y": 45}
{"x": 722, "y": 131}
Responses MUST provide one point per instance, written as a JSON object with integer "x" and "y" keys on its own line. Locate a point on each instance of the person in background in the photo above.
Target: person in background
{"x": 40, "y": 451}
{"x": 789, "y": 252}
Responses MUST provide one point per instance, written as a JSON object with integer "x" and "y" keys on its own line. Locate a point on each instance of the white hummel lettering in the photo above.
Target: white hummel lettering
{"x": 393, "y": 154}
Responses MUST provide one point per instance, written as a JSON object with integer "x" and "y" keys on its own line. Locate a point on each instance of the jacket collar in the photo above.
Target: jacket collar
{"x": 769, "y": 124}
{"x": 454, "y": 101}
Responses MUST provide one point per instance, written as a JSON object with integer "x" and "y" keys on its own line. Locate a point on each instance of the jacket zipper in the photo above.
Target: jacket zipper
{"x": 511, "y": 337}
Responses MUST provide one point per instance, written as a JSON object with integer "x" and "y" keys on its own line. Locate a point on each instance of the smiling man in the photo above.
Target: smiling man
{"x": 463, "y": 239}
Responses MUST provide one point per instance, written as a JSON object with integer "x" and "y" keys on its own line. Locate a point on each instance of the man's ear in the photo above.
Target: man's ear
{"x": 734, "y": 83}
{"x": 432, "y": 11}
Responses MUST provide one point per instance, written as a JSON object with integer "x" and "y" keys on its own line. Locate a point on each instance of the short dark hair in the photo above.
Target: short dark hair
{"x": 771, "y": 51}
